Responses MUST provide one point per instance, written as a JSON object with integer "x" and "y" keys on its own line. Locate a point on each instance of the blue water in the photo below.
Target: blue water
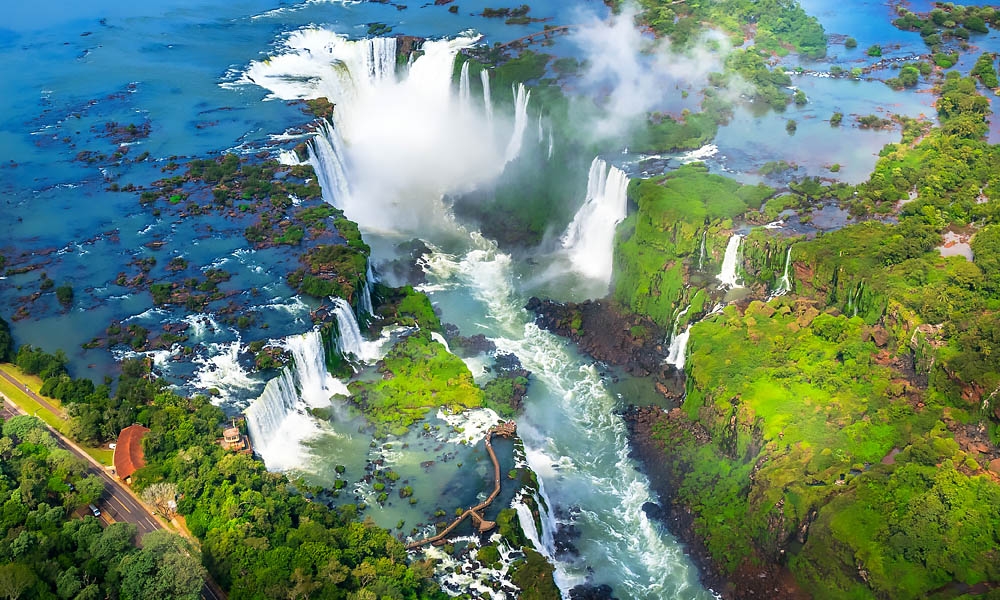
{"x": 70, "y": 67}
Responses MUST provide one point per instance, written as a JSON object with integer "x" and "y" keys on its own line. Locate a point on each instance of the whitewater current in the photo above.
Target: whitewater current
{"x": 367, "y": 157}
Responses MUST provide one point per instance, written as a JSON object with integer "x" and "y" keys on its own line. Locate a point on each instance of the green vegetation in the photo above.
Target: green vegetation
{"x": 6, "y": 342}
{"x": 947, "y": 21}
{"x": 418, "y": 375}
{"x": 835, "y": 431}
{"x": 668, "y": 227}
{"x": 985, "y": 70}
{"x": 47, "y": 550}
{"x": 780, "y": 25}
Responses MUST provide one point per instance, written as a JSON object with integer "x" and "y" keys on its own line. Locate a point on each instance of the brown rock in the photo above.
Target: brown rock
{"x": 880, "y": 336}
{"x": 806, "y": 318}
{"x": 995, "y": 465}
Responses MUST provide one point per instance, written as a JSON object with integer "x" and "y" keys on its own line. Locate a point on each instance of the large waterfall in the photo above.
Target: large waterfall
{"x": 729, "y": 275}
{"x": 406, "y": 145}
{"x": 484, "y": 76}
{"x": 589, "y": 239}
{"x": 327, "y": 155}
{"x": 397, "y": 137}
{"x": 278, "y": 420}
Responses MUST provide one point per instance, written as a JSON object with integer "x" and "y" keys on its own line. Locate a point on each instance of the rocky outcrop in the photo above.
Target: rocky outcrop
{"x": 608, "y": 334}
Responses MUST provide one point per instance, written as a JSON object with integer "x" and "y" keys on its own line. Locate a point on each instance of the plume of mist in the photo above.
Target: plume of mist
{"x": 629, "y": 73}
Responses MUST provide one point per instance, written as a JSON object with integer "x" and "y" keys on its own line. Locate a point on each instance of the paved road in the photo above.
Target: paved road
{"x": 116, "y": 503}
{"x": 32, "y": 394}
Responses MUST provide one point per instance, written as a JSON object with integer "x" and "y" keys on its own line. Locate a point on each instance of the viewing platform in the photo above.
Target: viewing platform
{"x": 507, "y": 429}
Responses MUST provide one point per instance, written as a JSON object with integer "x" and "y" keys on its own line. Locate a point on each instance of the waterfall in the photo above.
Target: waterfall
{"x": 701, "y": 253}
{"x": 729, "y": 276}
{"x": 349, "y": 338}
{"x": 365, "y": 298}
{"x": 278, "y": 421}
{"x": 437, "y": 337}
{"x": 380, "y": 58}
{"x": 464, "y": 93}
{"x": 521, "y": 97}
{"x": 399, "y": 140}
{"x": 677, "y": 320}
{"x": 326, "y": 155}
{"x": 542, "y": 541}
{"x": 484, "y": 76}
{"x": 678, "y": 348}
{"x": 785, "y": 284}
{"x": 541, "y": 132}
{"x": 589, "y": 239}
{"x": 551, "y": 143}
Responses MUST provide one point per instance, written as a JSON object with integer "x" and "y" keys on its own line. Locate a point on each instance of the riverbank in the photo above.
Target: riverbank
{"x": 767, "y": 580}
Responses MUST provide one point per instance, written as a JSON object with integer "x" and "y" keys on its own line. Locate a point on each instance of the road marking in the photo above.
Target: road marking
{"x": 120, "y": 503}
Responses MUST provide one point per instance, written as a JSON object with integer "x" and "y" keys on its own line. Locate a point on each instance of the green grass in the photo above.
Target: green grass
{"x": 16, "y": 395}
{"x": 418, "y": 375}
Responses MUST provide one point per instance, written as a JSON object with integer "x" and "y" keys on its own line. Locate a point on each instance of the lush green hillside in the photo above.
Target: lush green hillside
{"x": 847, "y": 429}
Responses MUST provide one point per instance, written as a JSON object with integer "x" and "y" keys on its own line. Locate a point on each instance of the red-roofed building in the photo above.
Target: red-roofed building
{"x": 128, "y": 452}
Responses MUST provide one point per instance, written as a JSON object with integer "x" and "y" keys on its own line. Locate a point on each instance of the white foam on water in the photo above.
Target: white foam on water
{"x": 220, "y": 369}
{"x": 468, "y": 426}
{"x": 706, "y": 151}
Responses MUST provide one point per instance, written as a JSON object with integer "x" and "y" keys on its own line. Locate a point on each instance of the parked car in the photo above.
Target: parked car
{"x": 95, "y": 511}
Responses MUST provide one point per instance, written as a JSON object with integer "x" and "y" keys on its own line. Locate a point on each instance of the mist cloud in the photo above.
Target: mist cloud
{"x": 630, "y": 73}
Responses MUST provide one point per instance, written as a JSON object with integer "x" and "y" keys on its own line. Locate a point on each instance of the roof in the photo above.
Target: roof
{"x": 128, "y": 453}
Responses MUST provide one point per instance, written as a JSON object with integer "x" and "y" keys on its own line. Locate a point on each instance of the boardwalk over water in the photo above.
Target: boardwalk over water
{"x": 507, "y": 429}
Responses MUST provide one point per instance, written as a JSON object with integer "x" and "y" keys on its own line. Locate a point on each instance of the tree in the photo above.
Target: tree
{"x": 167, "y": 566}
{"x": 6, "y": 342}
{"x": 161, "y": 496}
{"x": 64, "y": 294}
{"x": 15, "y": 579}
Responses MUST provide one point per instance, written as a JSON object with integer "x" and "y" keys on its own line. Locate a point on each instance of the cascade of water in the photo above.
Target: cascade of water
{"x": 729, "y": 276}
{"x": 701, "y": 253}
{"x": 678, "y": 348}
{"x": 521, "y": 97}
{"x": 380, "y": 58}
{"x": 278, "y": 421}
{"x": 326, "y": 155}
{"x": 349, "y": 339}
{"x": 437, "y": 337}
{"x": 484, "y": 76}
{"x": 589, "y": 239}
{"x": 551, "y": 144}
{"x": 464, "y": 92}
{"x": 365, "y": 302}
{"x": 785, "y": 284}
{"x": 541, "y": 132}
{"x": 677, "y": 320}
